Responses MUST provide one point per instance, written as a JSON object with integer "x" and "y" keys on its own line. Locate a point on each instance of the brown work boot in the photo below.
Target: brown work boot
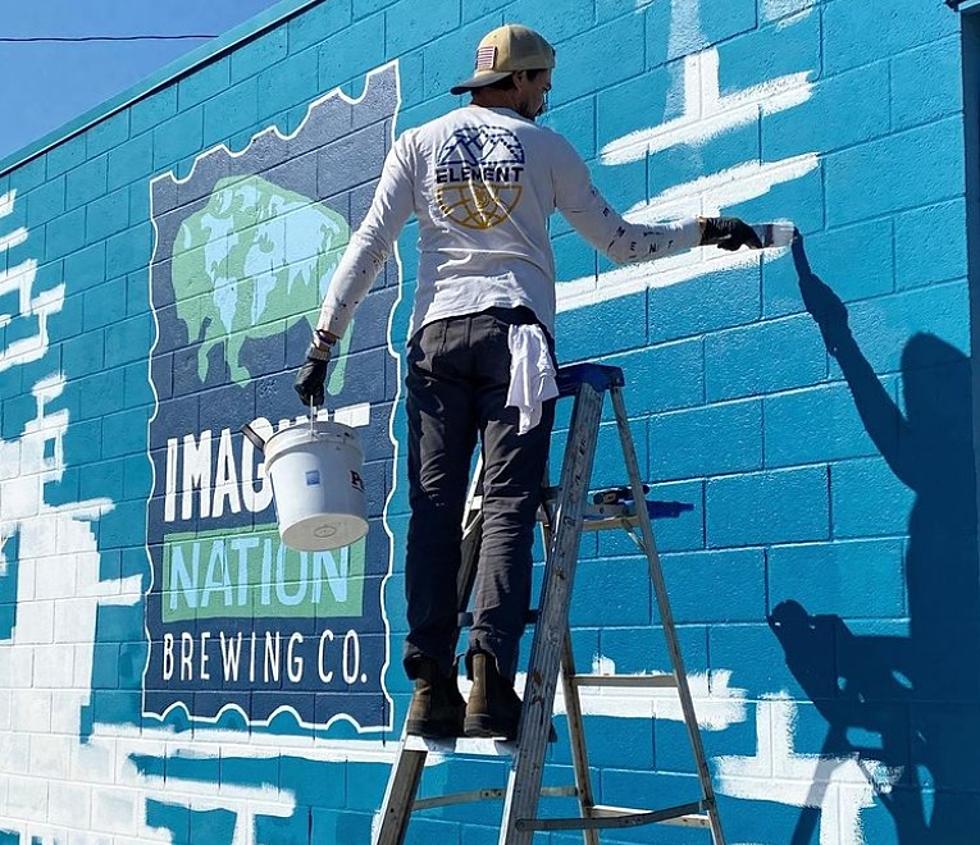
{"x": 437, "y": 708}
{"x": 493, "y": 709}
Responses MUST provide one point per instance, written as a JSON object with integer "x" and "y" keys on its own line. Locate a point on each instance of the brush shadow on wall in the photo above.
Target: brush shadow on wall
{"x": 909, "y": 690}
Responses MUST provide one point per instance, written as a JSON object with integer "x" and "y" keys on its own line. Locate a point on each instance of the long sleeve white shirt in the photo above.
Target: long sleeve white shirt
{"x": 483, "y": 183}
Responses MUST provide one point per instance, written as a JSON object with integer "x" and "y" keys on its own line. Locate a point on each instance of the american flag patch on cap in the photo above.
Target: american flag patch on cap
{"x": 485, "y": 57}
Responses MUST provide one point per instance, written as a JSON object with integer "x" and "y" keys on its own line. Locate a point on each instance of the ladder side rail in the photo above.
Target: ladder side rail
{"x": 527, "y": 768}
{"x": 573, "y": 712}
{"x": 403, "y": 785}
{"x": 688, "y": 814}
{"x": 576, "y": 738}
{"x": 666, "y": 616}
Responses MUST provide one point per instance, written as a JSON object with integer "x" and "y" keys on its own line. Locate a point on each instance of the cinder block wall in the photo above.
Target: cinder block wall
{"x": 812, "y": 409}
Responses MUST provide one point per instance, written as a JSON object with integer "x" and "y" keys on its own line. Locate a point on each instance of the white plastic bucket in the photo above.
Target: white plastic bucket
{"x": 317, "y": 485}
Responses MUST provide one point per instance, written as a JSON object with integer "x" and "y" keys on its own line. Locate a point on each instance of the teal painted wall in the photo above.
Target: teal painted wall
{"x": 813, "y": 406}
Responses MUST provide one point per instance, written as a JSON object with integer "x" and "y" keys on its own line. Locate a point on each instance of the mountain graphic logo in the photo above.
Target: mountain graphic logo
{"x": 478, "y": 176}
{"x": 475, "y": 145}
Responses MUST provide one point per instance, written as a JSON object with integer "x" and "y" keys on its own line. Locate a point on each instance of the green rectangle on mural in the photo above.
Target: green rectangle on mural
{"x": 249, "y": 573}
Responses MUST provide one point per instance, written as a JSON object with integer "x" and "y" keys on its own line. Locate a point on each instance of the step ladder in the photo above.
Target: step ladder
{"x": 566, "y": 512}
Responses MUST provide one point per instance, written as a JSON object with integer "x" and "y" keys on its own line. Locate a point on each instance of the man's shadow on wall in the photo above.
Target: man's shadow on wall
{"x": 915, "y": 691}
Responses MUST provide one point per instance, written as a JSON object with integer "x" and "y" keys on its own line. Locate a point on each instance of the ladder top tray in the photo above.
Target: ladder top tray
{"x": 599, "y": 377}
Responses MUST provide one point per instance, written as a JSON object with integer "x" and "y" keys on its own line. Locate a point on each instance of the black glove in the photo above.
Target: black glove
{"x": 728, "y": 233}
{"x": 312, "y": 375}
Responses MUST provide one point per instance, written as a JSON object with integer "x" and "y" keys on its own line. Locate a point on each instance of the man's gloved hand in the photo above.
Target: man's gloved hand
{"x": 728, "y": 233}
{"x": 313, "y": 373}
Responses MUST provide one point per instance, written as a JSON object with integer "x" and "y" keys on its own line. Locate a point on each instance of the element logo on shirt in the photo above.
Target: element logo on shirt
{"x": 478, "y": 176}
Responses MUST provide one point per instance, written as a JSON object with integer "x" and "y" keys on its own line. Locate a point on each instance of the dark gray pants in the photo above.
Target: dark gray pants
{"x": 458, "y": 373}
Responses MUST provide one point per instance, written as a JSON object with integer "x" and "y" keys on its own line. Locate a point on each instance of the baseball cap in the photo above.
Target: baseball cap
{"x": 505, "y": 50}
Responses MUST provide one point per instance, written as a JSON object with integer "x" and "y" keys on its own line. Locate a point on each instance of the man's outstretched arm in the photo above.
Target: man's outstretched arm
{"x": 626, "y": 243}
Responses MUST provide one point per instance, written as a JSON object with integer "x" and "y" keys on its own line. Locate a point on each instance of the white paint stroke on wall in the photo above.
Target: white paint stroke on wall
{"x": 707, "y": 113}
{"x": 685, "y": 27}
{"x": 773, "y": 10}
{"x": 12, "y": 239}
{"x": 7, "y": 202}
{"x": 20, "y": 280}
{"x": 707, "y": 195}
{"x": 46, "y": 665}
{"x": 839, "y": 786}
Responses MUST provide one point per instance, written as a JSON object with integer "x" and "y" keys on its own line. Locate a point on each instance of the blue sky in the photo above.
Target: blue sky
{"x": 45, "y": 84}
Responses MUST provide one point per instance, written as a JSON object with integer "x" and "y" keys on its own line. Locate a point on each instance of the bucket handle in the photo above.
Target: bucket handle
{"x": 254, "y": 436}
{"x": 259, "y": 443}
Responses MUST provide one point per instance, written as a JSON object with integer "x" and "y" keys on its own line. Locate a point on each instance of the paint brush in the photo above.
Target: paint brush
{"x": 778, "y": 233}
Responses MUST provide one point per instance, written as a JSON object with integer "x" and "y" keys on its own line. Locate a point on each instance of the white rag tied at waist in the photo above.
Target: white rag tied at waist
{"x": 532, "y": 374}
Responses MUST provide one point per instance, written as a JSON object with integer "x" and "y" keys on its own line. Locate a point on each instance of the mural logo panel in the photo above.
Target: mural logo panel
{"x": 246, "y": 246}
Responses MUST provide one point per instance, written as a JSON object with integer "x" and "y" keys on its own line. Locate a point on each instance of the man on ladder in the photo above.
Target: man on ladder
{"x": 483, "y": 180}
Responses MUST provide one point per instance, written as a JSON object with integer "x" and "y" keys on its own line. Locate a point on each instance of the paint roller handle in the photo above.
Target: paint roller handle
{"x": 256, "y": 439}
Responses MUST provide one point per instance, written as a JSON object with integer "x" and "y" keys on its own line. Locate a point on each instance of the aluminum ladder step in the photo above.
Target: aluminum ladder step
{"x": 462, "y": 746}
{"x": 488, "y": 794}
{"x": 668, "y": 681}
{"x": 605, "y": 817}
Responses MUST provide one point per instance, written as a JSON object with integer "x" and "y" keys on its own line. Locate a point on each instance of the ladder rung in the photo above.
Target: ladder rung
{"x": 689, "y": 820}
{"x": 488, "y": 795}
{"x": 607, "y": 523}
{"x": 618, "y": 817}
{"x": 624, "y": 680}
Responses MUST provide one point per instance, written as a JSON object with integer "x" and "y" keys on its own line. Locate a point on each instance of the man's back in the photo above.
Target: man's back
{"x": 484, "y": 186}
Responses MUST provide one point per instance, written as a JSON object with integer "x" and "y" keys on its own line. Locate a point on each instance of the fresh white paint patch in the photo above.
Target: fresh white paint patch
{"x": 707, "y": 113}
{"x": 356, "y": 416}
{"x": 776, "y": 9}
{"x": 20, "y": 280}
{"x": 58, "y": 592}
{"x": 839, "y": 786}
{"x": 12, "y": 239}
{"x": 685, "y": 27}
